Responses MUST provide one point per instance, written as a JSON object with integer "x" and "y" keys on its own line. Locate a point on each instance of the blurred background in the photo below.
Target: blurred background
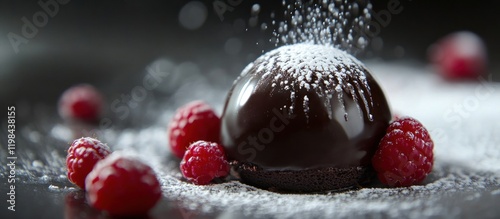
{"x": 109, "y": 43}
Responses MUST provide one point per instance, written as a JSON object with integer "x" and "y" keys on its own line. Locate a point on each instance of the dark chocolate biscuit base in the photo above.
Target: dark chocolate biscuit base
{"x": 322, "y": 179}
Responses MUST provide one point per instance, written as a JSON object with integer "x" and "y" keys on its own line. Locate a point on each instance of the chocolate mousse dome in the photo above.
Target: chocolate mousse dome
{"x": 304, "y": 118}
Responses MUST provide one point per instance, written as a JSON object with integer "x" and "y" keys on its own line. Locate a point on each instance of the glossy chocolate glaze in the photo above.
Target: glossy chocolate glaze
{"x": 293, "y": 128}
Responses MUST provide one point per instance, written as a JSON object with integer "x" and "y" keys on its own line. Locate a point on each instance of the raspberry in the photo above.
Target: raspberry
{"x": 83, "y": 154}
{"x": 122, "y": 186}
{"x": 82, "y": 102}
{"x": 203, "y": 162}
{"x": 460, "y": 55}
{"x": 404, "y": 156}
{"x": 192, "y": 122}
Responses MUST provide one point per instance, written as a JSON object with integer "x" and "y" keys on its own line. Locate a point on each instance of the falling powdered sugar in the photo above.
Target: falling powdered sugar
{"x": 340, "y": 23}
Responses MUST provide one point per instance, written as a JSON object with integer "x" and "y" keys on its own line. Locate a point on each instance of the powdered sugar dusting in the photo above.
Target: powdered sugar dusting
{"x": 94, "y": 143}
{"x": 340, "y": 23}
{"x": 465, "y": 181}
{"x": 469, "y": 45}
{"x": 459, "y": 177}
{"x": 306, "y": 107}
{"x": 324, "y": 69}
{"x": 124, "y": 160}
{"x": 257, "y": 203}
{"x": 496, "y": 192}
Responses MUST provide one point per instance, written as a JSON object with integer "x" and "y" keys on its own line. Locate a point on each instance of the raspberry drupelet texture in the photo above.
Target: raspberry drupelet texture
{"x": 192, "y": 122}
{"x": 83, "y": 154}
{"x": 122, "y": 186}
{"x": 82, "y": 102}
{"x": 405, "y": 154}
{"x": 203, "y": 162}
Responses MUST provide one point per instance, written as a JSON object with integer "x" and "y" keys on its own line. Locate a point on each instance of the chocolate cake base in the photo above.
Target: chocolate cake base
{"x": 325, "y": 179}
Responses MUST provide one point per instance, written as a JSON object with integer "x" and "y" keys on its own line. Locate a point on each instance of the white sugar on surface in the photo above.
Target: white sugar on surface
{"x": 126, "y": 160}
{"x": 306, "y": 106}
{"x": 258, "y": 203}
{"x": 495, "y": 192}
{"x": 467, "y": 159}
{"x": 327, "y": 71}
{"x": 469, "y": 44}
{"x": 94, "y": 143}
{"x": 56, "y": 188}
{"x": 464, "y": 169}
{"x": 458, "y": 115}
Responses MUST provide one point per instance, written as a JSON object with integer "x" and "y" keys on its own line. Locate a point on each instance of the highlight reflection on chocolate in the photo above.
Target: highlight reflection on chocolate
{"x": 304, "y": 118}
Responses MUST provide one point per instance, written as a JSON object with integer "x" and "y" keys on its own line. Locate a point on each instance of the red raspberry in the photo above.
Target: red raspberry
{"x": 404, "y": 156}
{"x": 83, "y": 154}
{"x": 460, "y": 55}
{"x": 83, "y": 102}
{"x": 192, "y": 122}
{"x": 203, "y": 162}
{"x": 122, "y": 186}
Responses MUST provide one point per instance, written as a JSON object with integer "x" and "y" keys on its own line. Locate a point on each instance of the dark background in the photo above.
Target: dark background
{"x": 111, "y": 42}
